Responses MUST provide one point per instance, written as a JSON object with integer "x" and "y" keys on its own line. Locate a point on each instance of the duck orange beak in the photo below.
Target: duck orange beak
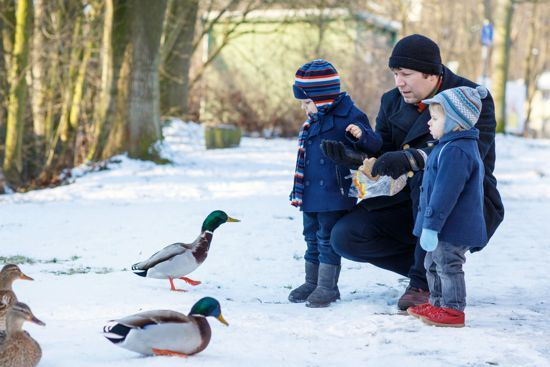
{"x": 229, "y": 219}
{"x": 25, "y": 277}
{"x": 222, "y": 320}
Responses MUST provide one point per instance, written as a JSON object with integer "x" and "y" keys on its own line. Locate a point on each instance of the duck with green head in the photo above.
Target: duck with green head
{"x": 179, "y": 259}
{"x": 165, "y": 332}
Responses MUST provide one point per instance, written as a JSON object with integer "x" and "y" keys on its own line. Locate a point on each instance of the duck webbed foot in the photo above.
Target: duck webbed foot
{"x": 173, "y": 288}
{"x": 190, "y": 281}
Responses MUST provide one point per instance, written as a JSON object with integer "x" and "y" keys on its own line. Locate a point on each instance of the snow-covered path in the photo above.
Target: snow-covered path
{"x": 81, "y": 239}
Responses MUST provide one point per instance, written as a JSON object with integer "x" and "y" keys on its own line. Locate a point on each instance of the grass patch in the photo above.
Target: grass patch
{"x": 81, "y": 270}
{"x": 19, "y": 259}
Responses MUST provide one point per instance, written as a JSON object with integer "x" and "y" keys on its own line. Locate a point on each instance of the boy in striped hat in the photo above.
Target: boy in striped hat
{"x": 320, "y": 186}
{"x": 450, "y": 217}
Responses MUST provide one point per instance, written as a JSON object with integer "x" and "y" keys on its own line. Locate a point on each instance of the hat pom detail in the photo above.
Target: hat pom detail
{"x": 482, "y": 91}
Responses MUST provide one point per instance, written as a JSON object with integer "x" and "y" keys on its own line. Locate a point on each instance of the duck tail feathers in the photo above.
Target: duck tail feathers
{"x": 115, "y": 332}
{"x": 137, "y": 269}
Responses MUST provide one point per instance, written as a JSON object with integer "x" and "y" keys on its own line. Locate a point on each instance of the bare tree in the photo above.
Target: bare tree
{"x": 176, "y": 51}
{"x": 113, "y": 48}
{"x": 144, "y": 94}
{"x": 505, "y": 12}
{"x": 13, "y": 158}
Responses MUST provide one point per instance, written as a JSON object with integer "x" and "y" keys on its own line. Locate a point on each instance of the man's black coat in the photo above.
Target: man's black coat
{"x": 402, "y": 126}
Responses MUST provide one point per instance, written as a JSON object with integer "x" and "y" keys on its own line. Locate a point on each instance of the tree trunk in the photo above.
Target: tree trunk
{"x": 39, "y": 68}
{"x": 144, "y": 94}
{"x": 176, "y": 52}
{"x": 3, "y": 86}
{"x": 505, "y": 12}
{"x": 53, "y": 84}
{"x": 7, "y": 12}
{"x": 7, "y": 21}
{"x": 113, "y": 49}
{"x": 13, "y": 159}
{"x": 530, "y": 65}
{"x": 64, "y": 131}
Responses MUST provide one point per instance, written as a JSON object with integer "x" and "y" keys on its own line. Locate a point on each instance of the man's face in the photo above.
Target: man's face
{"x": 437, "y": 121}
{"x": 413, "y": 85}
{"x": 308, "y": 106}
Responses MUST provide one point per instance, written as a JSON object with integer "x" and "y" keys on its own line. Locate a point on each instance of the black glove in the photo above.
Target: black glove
{"x": 397, "y": 163}
{"x": 340, "y": 154}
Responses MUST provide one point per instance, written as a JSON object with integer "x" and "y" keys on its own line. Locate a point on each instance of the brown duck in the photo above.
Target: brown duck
{"x": 17, "y": 347}
{"x": 8, "y": 275}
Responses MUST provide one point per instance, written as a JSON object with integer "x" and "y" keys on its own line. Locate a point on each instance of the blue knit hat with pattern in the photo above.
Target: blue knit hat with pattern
{"x": 317, "y": 80}
{"x": 462, "y": 106}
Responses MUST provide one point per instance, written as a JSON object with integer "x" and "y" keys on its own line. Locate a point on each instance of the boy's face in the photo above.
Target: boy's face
{"x": 308, "y": 106}
{"x": 437, "y": 121}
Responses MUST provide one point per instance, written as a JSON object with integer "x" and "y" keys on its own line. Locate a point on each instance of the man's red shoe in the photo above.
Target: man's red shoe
{"x": 420, "y": 310}
{"x": 412, "y": 297}
{"x": 445, "y": 317}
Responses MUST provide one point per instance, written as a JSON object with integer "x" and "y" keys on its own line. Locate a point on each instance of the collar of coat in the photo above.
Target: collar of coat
{"x": 473, "y": 133}
{"x": 421, "y": 106}
{"x": 326, "y": 122}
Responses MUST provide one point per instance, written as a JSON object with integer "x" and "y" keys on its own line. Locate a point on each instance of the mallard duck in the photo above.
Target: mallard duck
{"x": 8, "y": 275}
{"x": 164, "y": 332}
{"x": 17, "y": 347}
{"x": 179, "y": 259}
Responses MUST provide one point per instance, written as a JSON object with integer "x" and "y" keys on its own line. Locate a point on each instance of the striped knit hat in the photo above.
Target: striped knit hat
{"x": 462, "y": 106}
{"x": 317, "y": 80}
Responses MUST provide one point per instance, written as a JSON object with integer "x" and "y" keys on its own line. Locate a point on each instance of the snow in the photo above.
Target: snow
{"x": 83, "y": 238}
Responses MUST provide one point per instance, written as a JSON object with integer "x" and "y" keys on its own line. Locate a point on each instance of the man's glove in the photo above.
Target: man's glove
{"x": 428, "y": 239}
{"x": 397, "y": 163}
{"x": 340, "y": 154}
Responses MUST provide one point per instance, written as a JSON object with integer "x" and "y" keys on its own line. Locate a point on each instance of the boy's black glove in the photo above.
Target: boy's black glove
{"x": 340, "y": 154}
{"x": 397, "y": 163}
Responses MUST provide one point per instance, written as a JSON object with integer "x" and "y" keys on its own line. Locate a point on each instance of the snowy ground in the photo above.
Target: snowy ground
{"x": 81, "y": 239}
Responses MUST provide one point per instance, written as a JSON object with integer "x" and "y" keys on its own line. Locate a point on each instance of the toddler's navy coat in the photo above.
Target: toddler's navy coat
{"x": 451, "y": 195}
{"x": 325, "y": 184}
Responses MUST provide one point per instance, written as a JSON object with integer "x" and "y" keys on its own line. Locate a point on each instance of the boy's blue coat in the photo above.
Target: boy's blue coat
{"x": 451, "y": 195}
{"x": 325, "y": 185}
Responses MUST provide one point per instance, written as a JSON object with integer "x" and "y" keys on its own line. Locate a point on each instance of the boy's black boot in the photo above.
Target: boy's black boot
{"x": 327, "y": 287}
{"x": 301, "y": 293}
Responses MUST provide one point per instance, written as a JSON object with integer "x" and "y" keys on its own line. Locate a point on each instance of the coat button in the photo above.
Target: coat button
{"x": 309, "y": 142}
{"x": 322, "y": 161}
{"x": 406, "y": 146}
{"x": 430, "y": 144}
{"x": 428, "y": 212}
{"x": 307, "y": 183}
{"x": 307, "y": 161}
{"x": 321, "y": 182}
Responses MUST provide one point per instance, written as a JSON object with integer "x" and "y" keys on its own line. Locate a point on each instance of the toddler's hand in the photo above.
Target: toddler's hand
{"x": 354, "y": 130}
{"x": 428, "y": 239}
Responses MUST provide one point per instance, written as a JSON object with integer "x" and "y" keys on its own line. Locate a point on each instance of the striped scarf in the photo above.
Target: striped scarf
{"x": 297, "y": 193}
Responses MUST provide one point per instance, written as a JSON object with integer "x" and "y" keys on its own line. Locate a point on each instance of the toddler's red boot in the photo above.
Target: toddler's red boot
{"x": 420, "y": 310}
{"x": 445, "y": 317}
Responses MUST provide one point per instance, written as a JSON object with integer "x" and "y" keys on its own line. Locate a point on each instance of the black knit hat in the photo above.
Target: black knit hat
{"x": 417, "y": 52}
